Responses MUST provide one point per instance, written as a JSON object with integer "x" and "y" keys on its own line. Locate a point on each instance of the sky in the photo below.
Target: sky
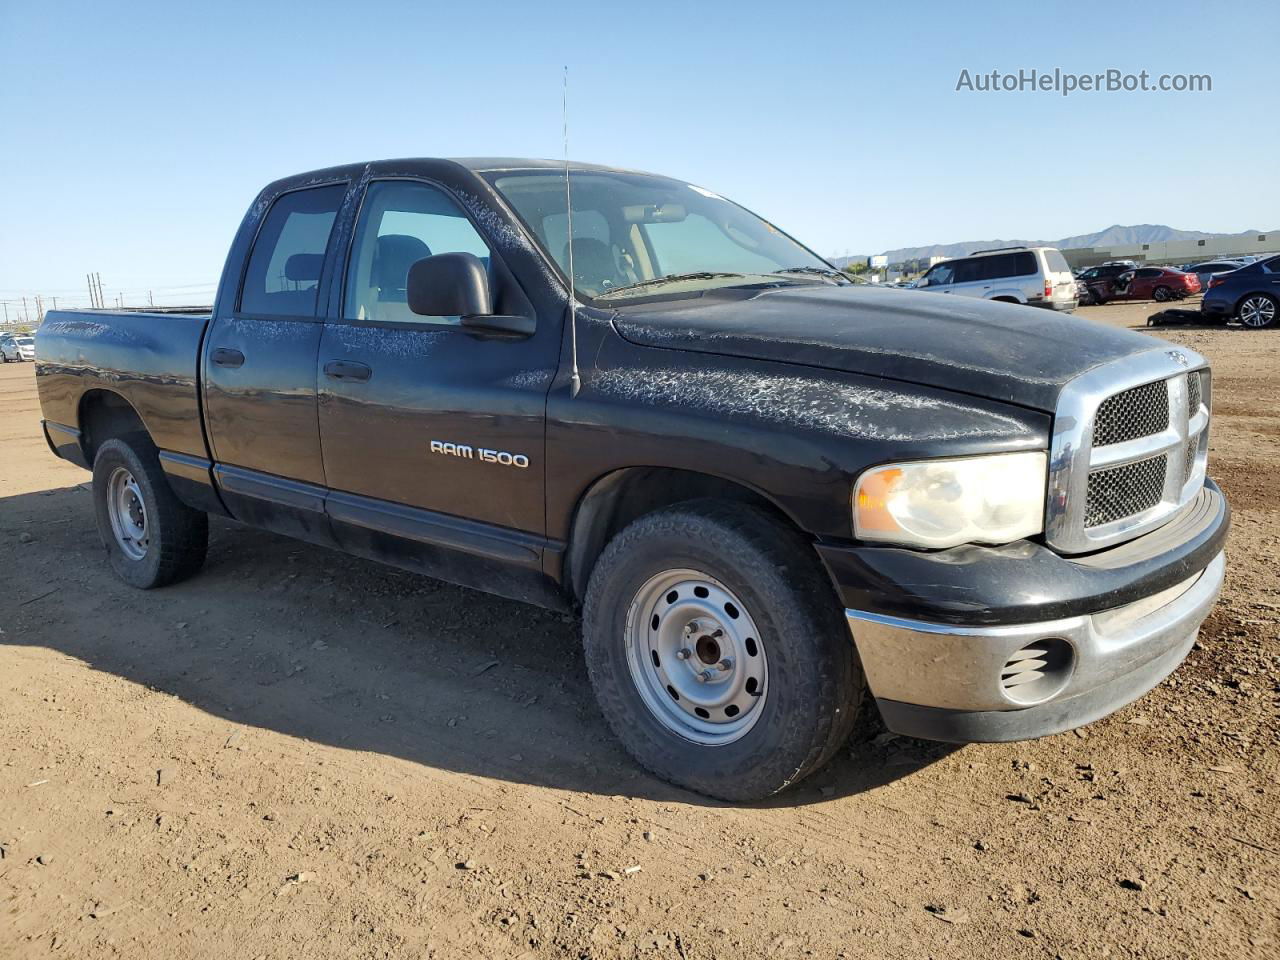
{"x": 135, "y": 135}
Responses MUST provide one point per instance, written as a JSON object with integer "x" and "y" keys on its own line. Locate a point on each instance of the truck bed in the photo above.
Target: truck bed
{"x": 150, "y": 359}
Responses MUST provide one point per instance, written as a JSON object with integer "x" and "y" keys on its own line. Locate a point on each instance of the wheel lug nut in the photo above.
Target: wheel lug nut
{"x": 726, "y": 664}
{"x": 683, "y": 654}
{"x": 705, "y": 676}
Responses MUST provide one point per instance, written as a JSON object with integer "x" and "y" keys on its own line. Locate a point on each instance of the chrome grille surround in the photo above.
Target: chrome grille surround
{"x": 1074, "y": 524}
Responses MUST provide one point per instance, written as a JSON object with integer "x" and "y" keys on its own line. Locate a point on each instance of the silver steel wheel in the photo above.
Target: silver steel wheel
{"x": 1258, "y": 311}
{"x": 696, "y": 657}
{"x": 128, "y": 513}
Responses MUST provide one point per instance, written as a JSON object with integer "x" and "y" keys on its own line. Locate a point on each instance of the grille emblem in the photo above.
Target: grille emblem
{"x": 1178, "y": 357}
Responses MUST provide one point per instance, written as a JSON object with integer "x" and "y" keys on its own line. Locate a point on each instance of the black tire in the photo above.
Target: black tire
{"x": 177, "y": 536}
{"x": 815, "y": 684}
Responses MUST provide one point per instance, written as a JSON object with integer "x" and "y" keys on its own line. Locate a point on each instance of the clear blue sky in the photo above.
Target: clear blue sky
{"x": 136, "y": 134}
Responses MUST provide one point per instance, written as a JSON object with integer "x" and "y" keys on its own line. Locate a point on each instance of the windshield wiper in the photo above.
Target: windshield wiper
{"x": 816, "y": 271}
{"x": 671, "y": 278}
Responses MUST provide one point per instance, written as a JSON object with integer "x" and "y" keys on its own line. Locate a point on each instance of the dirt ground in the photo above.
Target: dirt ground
{"x": 298, "y": 754}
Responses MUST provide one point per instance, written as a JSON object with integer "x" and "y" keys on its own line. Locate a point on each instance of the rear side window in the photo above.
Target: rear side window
{"x": 1056, "y": 262}
{"x": 965, "y": 271}
{"x": 283, "y": 276}
{"x": 1148, "y": 272}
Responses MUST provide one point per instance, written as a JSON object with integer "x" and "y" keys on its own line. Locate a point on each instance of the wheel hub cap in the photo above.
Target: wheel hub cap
{"x": 696, "y": 657}
{"x": 1257, "y": 312}
{"x": 128, "y": 514}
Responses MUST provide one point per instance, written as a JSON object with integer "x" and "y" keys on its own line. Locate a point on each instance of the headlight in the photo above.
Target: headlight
{"x": 997, "y": 498}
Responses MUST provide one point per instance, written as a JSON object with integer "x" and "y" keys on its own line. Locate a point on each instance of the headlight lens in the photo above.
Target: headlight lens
{"x": 997, "y": 498}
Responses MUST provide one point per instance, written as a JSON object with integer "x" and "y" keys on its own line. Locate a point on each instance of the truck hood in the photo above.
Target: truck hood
{"x": 1000, "y": 351}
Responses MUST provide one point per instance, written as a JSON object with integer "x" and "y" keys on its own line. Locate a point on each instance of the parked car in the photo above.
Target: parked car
{"x": 1035, "y": 276}
{"x": 1250, "y": 295}
{"x": 1147, "y": 283}
{"x": 1099, "y": 281}
{"x": 15, "y": 347}
{"x": 1207, "y": 271}
{"x": 682, "y": 421}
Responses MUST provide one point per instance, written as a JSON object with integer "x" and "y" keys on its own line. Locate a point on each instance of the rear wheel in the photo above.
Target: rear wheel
{"x": 1163, "y": 294}
{"x": 718, "y": 653}
{"x": 1257, "y": 311}
{"x": 152, "y": 538}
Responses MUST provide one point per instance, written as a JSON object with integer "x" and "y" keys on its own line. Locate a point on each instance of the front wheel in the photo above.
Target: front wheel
{"x": 1258, "y": 311}
{"x": 718, "y": 653}
{"x": 152, "y": 538}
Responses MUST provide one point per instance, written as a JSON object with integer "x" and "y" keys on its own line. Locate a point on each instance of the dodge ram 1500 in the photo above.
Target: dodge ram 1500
{"x": 770, "y": 491}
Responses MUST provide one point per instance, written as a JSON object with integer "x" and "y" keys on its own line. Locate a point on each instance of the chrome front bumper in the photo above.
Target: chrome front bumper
{"x": 955, "y": 683}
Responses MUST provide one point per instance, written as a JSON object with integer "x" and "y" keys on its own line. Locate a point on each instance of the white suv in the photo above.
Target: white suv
{"x": 1035, "y": 276}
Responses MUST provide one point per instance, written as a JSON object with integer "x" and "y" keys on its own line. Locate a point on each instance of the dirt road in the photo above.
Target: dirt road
{"x": 298, "y": 754}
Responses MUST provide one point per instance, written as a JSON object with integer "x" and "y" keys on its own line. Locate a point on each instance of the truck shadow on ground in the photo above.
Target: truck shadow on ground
{"x": 312, "y": 643}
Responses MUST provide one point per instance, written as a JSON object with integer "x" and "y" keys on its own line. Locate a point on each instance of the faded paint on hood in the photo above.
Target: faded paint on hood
{"x": 1000, "y": 351}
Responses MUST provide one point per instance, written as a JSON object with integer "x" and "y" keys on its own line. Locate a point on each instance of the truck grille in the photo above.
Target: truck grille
{"x": 1128, "y": 457}
{"x": 1123, "y": 491}
{"x": 1138, "y": 412}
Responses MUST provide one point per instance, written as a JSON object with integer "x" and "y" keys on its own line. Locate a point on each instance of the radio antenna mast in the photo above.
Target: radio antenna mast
{"x": 575, "y": 380}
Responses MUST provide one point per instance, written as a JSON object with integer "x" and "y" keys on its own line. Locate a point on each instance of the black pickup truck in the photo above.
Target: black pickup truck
{"x": 769, "y": 490}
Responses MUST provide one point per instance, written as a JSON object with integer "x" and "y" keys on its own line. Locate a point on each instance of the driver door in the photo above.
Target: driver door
{"x": 432, "y": 435}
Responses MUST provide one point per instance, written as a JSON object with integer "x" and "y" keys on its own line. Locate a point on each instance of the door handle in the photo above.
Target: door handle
{"x": 228, "y": 357}
{"x": 347, "y": 370}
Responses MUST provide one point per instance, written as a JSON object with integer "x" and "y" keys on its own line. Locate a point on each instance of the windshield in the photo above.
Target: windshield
{"x": 637, "y": 235}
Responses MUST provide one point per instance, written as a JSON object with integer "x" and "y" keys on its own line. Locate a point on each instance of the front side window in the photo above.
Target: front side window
{"x": 630, "y": 230}
{"x": 941, "y": 274}
{"x": 283, "y": 275}
{"x": 402, "y": 222}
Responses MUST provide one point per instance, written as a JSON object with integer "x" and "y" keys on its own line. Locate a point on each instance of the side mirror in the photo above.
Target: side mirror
{"x": 457, "y": 285}
{"x": 449, "y": 285}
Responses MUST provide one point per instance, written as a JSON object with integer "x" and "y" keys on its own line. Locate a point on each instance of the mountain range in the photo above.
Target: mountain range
{"x": 1115, "y": 234}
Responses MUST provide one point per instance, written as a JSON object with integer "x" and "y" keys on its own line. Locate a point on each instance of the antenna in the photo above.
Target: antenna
{"x": 575, "y": 380}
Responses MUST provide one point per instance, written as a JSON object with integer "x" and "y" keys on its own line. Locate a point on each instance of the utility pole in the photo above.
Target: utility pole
{"x": 151, "y": 298}
{"x": 39, "y": 310}
{"x": 25, "y": 318}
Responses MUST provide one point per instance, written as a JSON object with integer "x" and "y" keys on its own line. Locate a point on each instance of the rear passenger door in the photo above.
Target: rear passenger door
{"x": 259, "y": 370}
{"x": 965, "y": 278}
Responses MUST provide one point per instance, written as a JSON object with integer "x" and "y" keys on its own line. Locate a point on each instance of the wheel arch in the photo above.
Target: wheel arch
{"x": 614, "y": 500}
{"x": 102, "y": 415}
